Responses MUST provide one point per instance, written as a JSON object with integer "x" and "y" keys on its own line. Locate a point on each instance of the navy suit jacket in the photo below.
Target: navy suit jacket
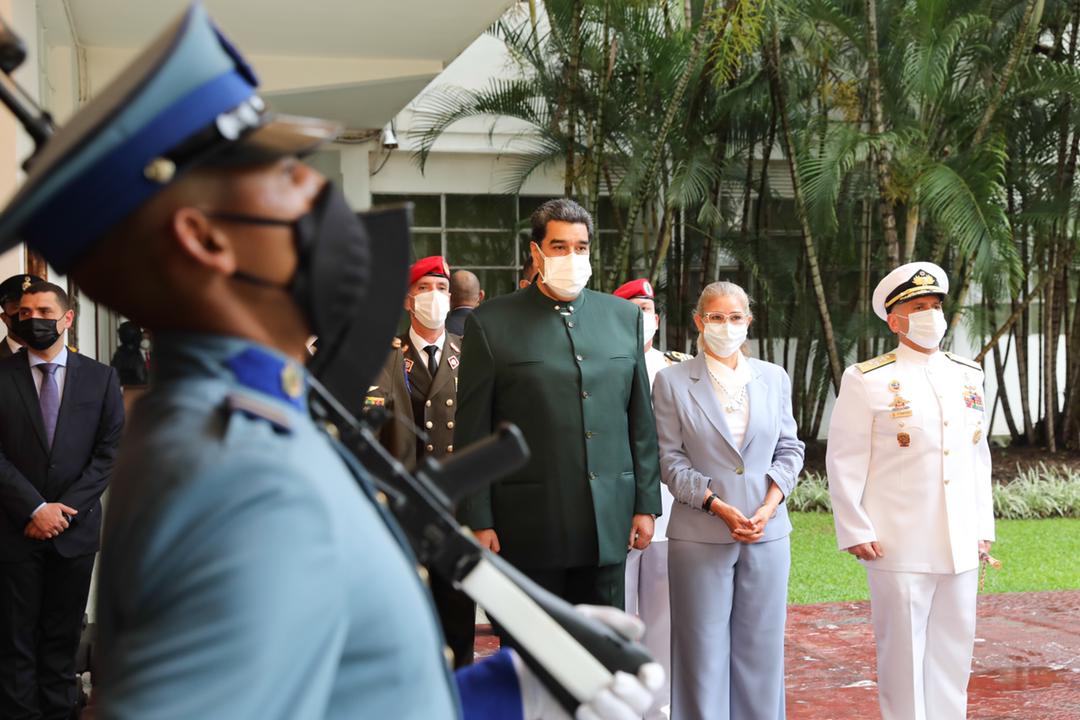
{"x": 75, "y": 471}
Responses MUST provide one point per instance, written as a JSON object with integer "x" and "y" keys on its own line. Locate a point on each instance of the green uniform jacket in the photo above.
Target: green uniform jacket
{"x": 572, "y": 377}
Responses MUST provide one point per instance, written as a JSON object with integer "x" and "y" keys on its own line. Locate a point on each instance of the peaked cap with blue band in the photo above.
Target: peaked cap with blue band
{"x": 188, "y": 99}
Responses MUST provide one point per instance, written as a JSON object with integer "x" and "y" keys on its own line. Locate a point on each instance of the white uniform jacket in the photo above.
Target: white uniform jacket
{"x": 908, "y": 461}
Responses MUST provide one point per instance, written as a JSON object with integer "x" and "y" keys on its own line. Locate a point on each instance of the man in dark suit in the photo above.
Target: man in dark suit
{"x": 566, "y": 365}
{"x": 11, "y": 291}
{"x": 465, "y": 295}
{"x": 60, "y": 421}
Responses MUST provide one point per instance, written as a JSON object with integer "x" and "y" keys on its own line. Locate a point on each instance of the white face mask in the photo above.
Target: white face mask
{"x": 725, "y": 339}
{"x": 430, "y": 308}
{"x": 650, "y": 324}
{"x": 926, "y": 328}
{"x": 566, "y": 275}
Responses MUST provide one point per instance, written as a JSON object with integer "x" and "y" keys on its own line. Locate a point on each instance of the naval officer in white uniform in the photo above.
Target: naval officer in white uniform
{"x": 909, "y": 476}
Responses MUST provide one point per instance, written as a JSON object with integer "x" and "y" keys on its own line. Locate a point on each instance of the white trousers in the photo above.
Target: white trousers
{"x": 647, "y": 597}
{"x": 924, "y": 625}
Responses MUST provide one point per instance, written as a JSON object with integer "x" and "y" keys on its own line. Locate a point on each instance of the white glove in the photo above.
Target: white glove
{"x": 628, "y": 697}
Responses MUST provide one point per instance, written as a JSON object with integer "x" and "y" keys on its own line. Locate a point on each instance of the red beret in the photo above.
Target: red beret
{"x": 640, "y": 288}
{"x": 434, "y": 265}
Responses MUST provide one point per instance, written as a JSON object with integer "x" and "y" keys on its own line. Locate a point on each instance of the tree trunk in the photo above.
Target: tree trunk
{"x": 1032, "y": 13}
{"x": 657, "y": 150}
{"x": 911, "y": 231}
{"x": 776, "y": 76}
{"x": 877, "y": 123}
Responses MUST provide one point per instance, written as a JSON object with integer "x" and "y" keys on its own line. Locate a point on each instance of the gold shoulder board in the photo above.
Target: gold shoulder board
{"x": 875, "y": 363}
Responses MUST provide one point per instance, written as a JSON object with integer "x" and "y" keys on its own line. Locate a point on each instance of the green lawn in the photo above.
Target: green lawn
{"x": 1035, "y": 555}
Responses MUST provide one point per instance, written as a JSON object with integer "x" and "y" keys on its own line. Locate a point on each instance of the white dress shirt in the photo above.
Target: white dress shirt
{"x": 420, "y": 343}
{"x": 12, "y": 345}
{"x": 727, "y": 384}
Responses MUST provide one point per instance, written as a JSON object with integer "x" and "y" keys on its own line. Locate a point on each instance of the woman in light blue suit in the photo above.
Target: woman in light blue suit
{"x": 729, "y": 454}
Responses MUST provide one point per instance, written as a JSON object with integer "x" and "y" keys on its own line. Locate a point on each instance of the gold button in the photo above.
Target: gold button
{"x": 588, "y": 434}
{"x": 425, "y": 576}
{"x": 739, "y": 470}
{"x": 570, "y": 324}
{"x": 430, "y": 448}
{"x": 901, "y": 424}
{"x": 556, "y": 307}
{"x": 450, "y": 425}
{"x": 427, "y": 404}
{"x": 946, "y": 452}
{"x": 429, "y": 424}
{"x": 449, "y": 448}
{"x": 946, "y": 481}
{"x": 448, "y": 655}
{"x": 449, "y": 402}
{"x": 946, "y": 423}
{"x": 380, "y": 497}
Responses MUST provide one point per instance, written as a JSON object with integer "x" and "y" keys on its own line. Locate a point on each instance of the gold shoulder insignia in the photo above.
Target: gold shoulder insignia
{"x": 395, "y": 343}
{"x": 963, "y": 361}
{"x": 875, "y": 363}
{"x": 676, "y": 356}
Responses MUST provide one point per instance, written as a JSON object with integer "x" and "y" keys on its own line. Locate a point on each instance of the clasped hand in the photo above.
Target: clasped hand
{"x": 744, "y": 529}
{"x": 49, "y": 521}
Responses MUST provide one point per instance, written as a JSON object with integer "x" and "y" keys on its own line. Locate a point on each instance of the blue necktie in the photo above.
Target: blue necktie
{"x": 49, "y": 397}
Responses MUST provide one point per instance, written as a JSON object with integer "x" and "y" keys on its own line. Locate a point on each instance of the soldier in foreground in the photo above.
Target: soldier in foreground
{"x": 248, "y": 569}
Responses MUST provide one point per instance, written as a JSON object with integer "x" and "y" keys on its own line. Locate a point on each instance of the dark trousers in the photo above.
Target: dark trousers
{"x": 457, "y": 614}
{"x": 42, "y": 602}
{"x": 592, "y": 585}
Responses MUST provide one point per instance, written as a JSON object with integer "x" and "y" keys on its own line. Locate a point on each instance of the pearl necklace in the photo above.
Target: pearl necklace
{"x": 734, "y": 403}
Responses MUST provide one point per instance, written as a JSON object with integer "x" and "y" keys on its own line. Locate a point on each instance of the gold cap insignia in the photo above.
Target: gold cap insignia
{"x": 27, "y": 282}
{"x": 923, "y": 278}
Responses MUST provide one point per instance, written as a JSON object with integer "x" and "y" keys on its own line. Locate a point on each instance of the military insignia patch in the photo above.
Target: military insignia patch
{"x": 903, "y": 439}
{"x": 292, "y": 382}
{"x": 972, "y": 398}
{"x": 894, "y": 386}
{"x": 453, "y": 362}
{"x": 900, "y": 407}
{"x": 408, "y": 365}
{"x": 976, "y": 437}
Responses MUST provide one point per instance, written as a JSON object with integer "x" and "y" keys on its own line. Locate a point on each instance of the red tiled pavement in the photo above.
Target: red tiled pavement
{"x": 1027, "y": 659}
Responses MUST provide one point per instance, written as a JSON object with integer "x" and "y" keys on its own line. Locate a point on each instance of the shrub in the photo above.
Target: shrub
{"x": 1038, "y": 492}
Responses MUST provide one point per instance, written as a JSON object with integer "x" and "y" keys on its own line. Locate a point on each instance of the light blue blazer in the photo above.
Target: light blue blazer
{"x": 696, "y": 449}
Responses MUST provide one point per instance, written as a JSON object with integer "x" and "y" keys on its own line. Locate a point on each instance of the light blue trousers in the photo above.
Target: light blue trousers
{"x": 728, "y": 610}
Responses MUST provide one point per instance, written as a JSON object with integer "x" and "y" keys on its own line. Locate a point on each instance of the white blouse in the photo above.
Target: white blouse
{"x": 729, "y": 384}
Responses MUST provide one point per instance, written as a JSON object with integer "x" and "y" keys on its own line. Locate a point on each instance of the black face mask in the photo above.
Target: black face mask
{"x": 39, "y": 333}
{"x": 332, "y": 254}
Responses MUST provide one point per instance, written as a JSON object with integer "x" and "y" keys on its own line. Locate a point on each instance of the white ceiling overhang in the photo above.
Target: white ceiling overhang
{"x": 356, "y": 61}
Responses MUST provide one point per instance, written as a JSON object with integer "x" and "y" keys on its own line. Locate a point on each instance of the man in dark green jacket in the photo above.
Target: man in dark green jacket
{"x": 566, "y": 366}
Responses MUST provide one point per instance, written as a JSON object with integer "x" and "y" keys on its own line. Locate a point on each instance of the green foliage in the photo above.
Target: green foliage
{"x": 1045, "y": 491}
{"x": 811, "y": 494}
{"x": 1036, "y": 555}
{"x": 1042, "y": 492}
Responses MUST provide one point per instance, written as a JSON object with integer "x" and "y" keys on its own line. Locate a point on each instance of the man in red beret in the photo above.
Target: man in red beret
{"x": 646, "y": 570}
{"x": 418, "y": 385}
